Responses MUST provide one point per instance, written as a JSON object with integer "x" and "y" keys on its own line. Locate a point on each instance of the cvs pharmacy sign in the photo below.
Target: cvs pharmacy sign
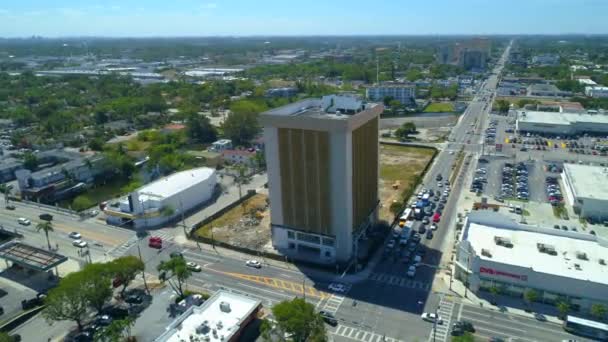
{"x": 494, "y": 272}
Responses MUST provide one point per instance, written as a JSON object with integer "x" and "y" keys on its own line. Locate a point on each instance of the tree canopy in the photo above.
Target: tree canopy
{"x": 300, "y": 320}
{"x": 176, "y": 273}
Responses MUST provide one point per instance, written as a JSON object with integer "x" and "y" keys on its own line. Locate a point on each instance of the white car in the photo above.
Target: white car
{"x": 451, "y": 152}
{"x": 75, "y": 235}
{"x": 439, "y": 185}
{"x": 434, "y": 226}
{"x": 253, "y": 263}
{"x": 431, "y": 317}
{"x": 411, "y": 272}
{"x": 390, "y": 244}
{"x": 337, "y": 287}
{"x": 193, "y": 266}
{"x": 79, "y": 243}
{"x": 23, "y": 221}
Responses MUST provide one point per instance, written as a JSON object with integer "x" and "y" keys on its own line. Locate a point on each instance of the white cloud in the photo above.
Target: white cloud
{"x": 71, "y": 12}
{"x": 209, "y": 5}
{"x": 3, "y": 11}
{"x": 115, "y": 8}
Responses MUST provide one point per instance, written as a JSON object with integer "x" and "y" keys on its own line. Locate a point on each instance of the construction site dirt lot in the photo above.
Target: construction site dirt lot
{"x": 245, "y": 225}
{"x": 400, "y": 167}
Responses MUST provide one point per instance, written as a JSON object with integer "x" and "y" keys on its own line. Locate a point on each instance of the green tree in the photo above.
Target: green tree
{"x": 97, "y": 286}
{"x": 46, "y": 227}
{"x": 530, "y": 296}
{"x": 563, "y": 307}
{"x": 167, "y": 211}
{"x": 67, "y": 301}
{"x": 394, "y": 104}
{"x": 523, "y": 102}
{"x": 82, "y": 202}
{"x": 598, "y": 311}
{"x": 405, "y": 130}
{"x": 396, "y": 208}
{"x": 125, "y": 269}
{"x": 502, "y": 106}
{"x": 494, "y": 290}
{"x": 30, "y": 161}
{"x": 199, "y": 128}
{"x": 387, "y": 100}
{"x": 298, "y": 319}
{"x": 117, "y": 331}
{"x": 241, "y": 127}
{"x": 176, "y": 273}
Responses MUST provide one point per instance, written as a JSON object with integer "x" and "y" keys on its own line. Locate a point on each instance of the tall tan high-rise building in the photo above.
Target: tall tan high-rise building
{"x": 322, "y": 160}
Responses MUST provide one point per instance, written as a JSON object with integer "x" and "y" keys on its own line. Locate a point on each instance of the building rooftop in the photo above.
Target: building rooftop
{"x": 175, "y": 183}
{"x": 566, "y": 254}
{"x": 563, "y": 118}
{"x": 218, "y": 319}
{"x": 588, "y": 181}
{"x": 330, "y": 107}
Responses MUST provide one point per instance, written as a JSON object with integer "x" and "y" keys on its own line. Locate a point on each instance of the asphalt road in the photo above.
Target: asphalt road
{"x": 101, "y": 238}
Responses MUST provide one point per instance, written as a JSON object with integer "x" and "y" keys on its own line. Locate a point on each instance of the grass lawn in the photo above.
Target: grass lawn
{"x": 99, "y": 194}
{"x": 233, "y": 215}
{"x": 402, "y": 164}
{"x": 439, "y": 107}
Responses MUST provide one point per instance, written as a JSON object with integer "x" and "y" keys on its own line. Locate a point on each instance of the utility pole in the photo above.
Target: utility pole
{"x": 181, "y": 209}
{"x": 304, "y": 287}
{"x": 377, "y": 70}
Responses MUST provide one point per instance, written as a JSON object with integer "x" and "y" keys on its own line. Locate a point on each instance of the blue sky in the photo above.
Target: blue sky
{"x": 19, "y": 18}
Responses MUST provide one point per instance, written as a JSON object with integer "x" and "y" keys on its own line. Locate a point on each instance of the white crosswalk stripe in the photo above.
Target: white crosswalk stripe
{"x": 335, "y": 300}
{"x": 399, "y": 281}
{"x": 120, "y": 250}
{"x": 362, "y": 335}
{"x": 442, "y": 331}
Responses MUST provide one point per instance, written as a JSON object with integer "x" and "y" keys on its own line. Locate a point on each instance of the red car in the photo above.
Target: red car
{"x": 436, "y": 217}
{"x": 155, "y": 242}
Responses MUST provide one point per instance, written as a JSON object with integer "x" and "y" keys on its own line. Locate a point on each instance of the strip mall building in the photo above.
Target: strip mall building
{"x": 495, "y": 251}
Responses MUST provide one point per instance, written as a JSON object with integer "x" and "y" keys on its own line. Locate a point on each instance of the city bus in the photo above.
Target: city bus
{"x": 587, "y": 328}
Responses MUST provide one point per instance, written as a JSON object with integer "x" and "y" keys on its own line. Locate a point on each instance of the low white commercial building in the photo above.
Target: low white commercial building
{"x": 586, "y": 189}
{"x": 163, "y": 200}
{"x": 561, "y": 123}
{"x": 497, "y": 252}
{"x": 221, "y": 145}
{"x": 221, "y": 318}
{"x": 596, "y": 91}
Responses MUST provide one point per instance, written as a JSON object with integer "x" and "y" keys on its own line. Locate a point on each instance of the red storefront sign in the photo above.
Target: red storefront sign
{"x": 494, "y": 272}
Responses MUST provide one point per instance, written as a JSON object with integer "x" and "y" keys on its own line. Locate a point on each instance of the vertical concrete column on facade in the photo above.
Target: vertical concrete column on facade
{"x": 273, "y": 167}
{"x": 341, "y": 193}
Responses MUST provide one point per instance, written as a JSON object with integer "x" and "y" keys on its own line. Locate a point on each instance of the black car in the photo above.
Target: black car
{"x": 176, "y": 255}
{"x": 422, "y": 229}
{"x": 465, "y": 325}
{"x": 429, "y": 234}
{"x": 328, "y": 317}
{"x": 10, "y": 207}
{"x": 134, "y": 299}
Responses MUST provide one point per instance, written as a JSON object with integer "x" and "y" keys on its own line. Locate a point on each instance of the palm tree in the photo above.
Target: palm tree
{"x": 47, "y": 227}
{"x": 563, "y": 307}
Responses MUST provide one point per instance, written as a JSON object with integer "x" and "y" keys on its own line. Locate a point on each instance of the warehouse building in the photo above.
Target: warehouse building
{"x": 163, "y": 200}
{"x": 496, "y": 252}
{"x": 561, "y": 123}
{"x": 221, "y": 318}
{"x": 596, "y": 91}
{"x": 587, "y": 190}
{"x": 322, "y": 161}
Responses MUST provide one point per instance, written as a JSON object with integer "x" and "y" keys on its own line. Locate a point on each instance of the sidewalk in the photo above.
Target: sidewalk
{"x": 505, "y": 304}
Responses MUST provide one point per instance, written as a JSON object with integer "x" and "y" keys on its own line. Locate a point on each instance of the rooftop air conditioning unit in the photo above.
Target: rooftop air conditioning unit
{"x": 544, "y": 248}
{"x": 486, "y": 253}
{"x": 225, "y": 307}
{"x": 581, "y": 255}
{"x": 502, "y": 241}
{"x": 602, "y": 262}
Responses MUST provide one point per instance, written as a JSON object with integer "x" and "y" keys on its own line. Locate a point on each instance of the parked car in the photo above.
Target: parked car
{"x": 75, "y": 235}
{"x": 10, "y": 207}
{"x": 337, "y": 287}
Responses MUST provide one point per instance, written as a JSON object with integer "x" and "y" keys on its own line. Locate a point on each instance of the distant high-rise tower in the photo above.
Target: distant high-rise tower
{"x": 322, "y": 160}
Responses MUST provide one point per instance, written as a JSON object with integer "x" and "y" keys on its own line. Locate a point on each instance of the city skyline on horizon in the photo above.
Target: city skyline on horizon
{"x": 191, "y": 18}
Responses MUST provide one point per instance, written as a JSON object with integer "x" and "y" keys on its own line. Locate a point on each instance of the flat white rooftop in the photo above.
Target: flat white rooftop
{"x": 175, "y": 183}
{"x": 588, "y": 181}
{"x": 525, "y": 253}
{"x": 563, "y": 118}
{"x": 225, "y": 323}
